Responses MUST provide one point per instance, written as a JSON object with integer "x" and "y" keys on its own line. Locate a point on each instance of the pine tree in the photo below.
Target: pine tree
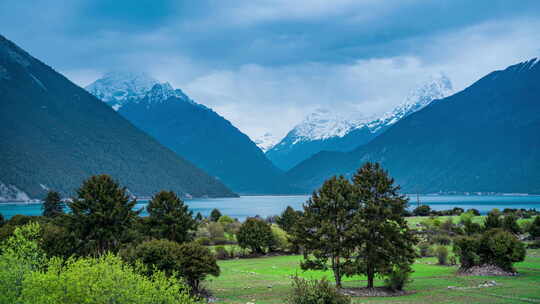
{"x": 170, "y": 218}
{"x": 52, "y": 205}
{"x": 215, "y": 215}
{"x": 288, "y": 219}
{"x": 325, "y": 231}
{"x": 387, "y": 242}
{"x": 101, "y": 215}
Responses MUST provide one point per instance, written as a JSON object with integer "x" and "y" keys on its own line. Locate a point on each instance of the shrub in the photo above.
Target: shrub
{"x": 453, "y": 260}
{"x": 190, "y": 260}
{"x": 425, "y": 250}
{"x": 315, "y": 292}
{"x": 442, "y": 255}
{"x": 221, "y": 253}
{"x": 495, "y": 247}
{"x": 422, "y": 210}
{"x": 534, "y": 228}
{"x": 216, "y": 230}
{"x": 102, "y": 280}
{"x": 501, "y": 248}
{"x": 471, "y": 228}
{"x": 466, "y": 249}
{"x": 493, "y": 220}
{"x": 510, "y": 224}
{"x": 397, "y": 278}
{"x": 204, "y": 241}
{"x": 256, "y": 235}
{"x": 281, "y": 241}
{"x": 20, "y": 255}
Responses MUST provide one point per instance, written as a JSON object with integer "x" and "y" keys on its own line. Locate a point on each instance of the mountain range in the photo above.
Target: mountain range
{"x": 481, "y": 139}
{"x": 326, "y": 130}
{"x": 192, "y": 130}
{"x": 54, "y": 134}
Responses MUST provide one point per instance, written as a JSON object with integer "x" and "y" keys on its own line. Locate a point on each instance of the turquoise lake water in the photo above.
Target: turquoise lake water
{"x": 242, "y": 207}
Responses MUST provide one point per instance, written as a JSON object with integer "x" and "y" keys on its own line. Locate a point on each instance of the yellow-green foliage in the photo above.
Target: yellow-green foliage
{"x": 100, "y": 280}
{"x": 280, "y": 238}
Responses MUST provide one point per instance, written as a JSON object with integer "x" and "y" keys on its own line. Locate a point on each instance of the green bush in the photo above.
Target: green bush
{"x": 442, "y": 255}
{"x": 534, "y": 228}
{"x": 256, "y": 235}
{"x": 281, "y": 239}
{"x": 501, "y": 248}
{"x": 221, "y": 253}
{"x": 495, "y": 247}
{"x": 510, "y": 224}
{"x": 192, "y": 261}
{"x": 20, "y": 255}
{"x": 315, "y": 292}
{"x": 398, "y": 278}
{"x": 102, "y": 280}
{"x": 466, "y": 249}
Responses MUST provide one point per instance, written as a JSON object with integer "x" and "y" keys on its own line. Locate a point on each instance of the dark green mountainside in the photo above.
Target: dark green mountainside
{"x": 485, "y": 138}
{"x": 54, "y": 134}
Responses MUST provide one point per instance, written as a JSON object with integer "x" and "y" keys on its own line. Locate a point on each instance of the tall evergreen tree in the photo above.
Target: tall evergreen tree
{"x": 101, "y": 215}
{"x": 325, "y": 230}
{"x": 2, "y": 220}
{"x": 170, "y": 218}
{"x": 387, "y": 243}
{"x": 288, "y": 219}
{"x": 215, "y": 215}
{"x": 52, "y": 205}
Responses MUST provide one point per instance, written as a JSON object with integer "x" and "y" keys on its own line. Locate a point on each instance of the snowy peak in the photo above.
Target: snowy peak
{"x": 266, "y": 142}
{"x": 118, "y": 88}
{"x": 436, "y": 87}
{"x": 323, "y": 124}
{"x": 115, "y": 88}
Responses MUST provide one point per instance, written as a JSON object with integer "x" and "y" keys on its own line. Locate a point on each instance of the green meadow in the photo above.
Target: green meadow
{"x": 267, "y": 280}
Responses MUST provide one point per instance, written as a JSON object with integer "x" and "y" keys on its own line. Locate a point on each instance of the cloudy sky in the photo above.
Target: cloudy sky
{"x": 266, "y": 64}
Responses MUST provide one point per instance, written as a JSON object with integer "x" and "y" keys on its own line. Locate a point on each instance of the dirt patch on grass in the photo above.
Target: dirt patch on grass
{"x": 373, "y": 292}
{"x": 486, "y": 270}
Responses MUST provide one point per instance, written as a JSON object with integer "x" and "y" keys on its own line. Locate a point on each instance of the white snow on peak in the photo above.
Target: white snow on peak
{"x": 324, "y": 123}
{"x": 266, "y": 142}
{"x": 119, "y": 88}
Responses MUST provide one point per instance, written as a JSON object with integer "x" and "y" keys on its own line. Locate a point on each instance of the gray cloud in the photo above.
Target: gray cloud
{"x": 266, "y": 64}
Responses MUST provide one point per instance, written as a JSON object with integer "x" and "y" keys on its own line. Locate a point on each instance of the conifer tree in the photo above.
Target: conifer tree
{"x": 2, "y": 220}
{"x": 52, "y": 205}
{"x": 101, "y": 215}
{"x": 215, "y": 215}
{"x": 325, "y": 231}
{"x": 387, "y": 243}
{"x": 288, "y": 219}
{"x": 170, "y": 218}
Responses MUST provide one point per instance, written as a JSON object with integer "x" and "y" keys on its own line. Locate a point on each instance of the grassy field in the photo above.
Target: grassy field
{"x": 267, "y": 280}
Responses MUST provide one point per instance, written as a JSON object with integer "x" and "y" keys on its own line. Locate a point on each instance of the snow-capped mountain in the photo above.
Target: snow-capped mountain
{"x": 192, "y": 130}
{"x": 115, "y": 88}
{"x": 332, "y": 131}
{"x": 119, "y": 88}
{"x": 266, "y": 142}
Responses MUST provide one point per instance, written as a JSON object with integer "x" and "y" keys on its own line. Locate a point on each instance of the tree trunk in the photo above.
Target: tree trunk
{"x": 370, "y": 276}
{"x": 337, "y": 271}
